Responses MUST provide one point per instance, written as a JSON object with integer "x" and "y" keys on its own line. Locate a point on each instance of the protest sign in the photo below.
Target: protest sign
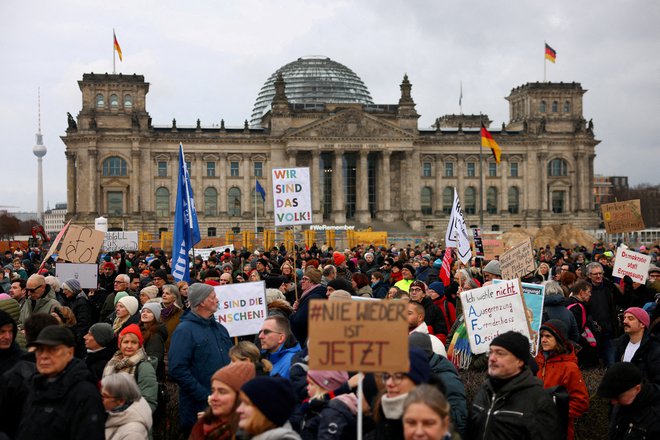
{"x": 492, "y": 310}
{"x": 364, "y": 336}
{"x": 118, "y": 240}
{"x": 241, "y": 307}
{"x": 633, "y": 264}
{"x": 206, "y": 252}
{"x": 518, "y": 261}
{"x": 56, "y": 242}
{"x": 622, "y": 216}
{"x": 81, "y": 244}
{"x": 534, "y": 294}
{"x": 478, "y": 243}
{"x": 493, "y": 245}
{"x": 86, "y": 274}
{"x": 292, "y": 199}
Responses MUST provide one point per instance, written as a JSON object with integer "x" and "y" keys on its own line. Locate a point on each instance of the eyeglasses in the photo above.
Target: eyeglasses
{"x": 266, "y": 332}
{"x": 304, "y": 279}
{"x": 34, "y": 289}
{"x": 415, "y": 289}
{"x": 396, "y": 378}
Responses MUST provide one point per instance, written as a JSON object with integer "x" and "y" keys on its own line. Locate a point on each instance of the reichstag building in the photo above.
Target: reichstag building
{"x": 370, "y": 164}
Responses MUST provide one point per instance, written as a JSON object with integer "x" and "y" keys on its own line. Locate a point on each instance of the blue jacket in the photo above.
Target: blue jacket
{"x": 199, "y": 348}
{"x": 298, "y": 319}
{"x": 281, "y": 359}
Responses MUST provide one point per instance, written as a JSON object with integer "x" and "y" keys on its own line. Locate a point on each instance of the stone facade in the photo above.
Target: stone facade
{"x": 369, "y": 164}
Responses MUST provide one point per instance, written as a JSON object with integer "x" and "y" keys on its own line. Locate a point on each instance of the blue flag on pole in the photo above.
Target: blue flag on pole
{"x": 262, "y": 192}
{"x": 186, "y": 229}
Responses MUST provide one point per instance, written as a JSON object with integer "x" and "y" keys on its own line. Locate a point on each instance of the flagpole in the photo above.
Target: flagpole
{"x": 481, "y": 182}
{"x": 545, "y": 61}
{"x": 255, "y": 208}
{"x": 113, "y": 51}
{"x": 460, "y": 99}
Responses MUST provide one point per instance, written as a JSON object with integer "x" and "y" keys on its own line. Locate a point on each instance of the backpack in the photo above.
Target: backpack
{"x": 587, "y": 334}
{"x": 162, "y": 395}
{"x": 560, "y": 398}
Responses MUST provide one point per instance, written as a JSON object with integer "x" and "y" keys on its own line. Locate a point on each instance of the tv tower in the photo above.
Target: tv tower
{"x": 39, "y": 150}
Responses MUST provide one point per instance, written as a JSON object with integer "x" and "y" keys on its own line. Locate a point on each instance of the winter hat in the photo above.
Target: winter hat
{"x": 514, "y": 342}
{"x": 419, "y": 284}
{"x": 273, "y": 396}
{"x": 54, "y": 335}
{"x": 618, "y": 379}
{"x": 109, "y": 265}
{"x": 155, "y": 308}
{"x": 437, "y": 263}
{"x": 654, "y": 269}
{"x": 131, "y": 304}
{"x": 134, "y": 329}
{"x": 5, "y": 319}
{"x": 328, "y": 380}
{"x": 421, "y": 341}
{"x": 72, "y": 285}
{"x": 198, "y": 292}
{"x": 369, "y": 254}
{"x": 341, "y": 284}
{"x": 338, "y": 258}
{"x": 4, "y": 296}
{"x": 299, "y": 274}
{"x": 556, "y": 328}
{"x": 227, "y": 266}
{"x": 640, "y": 314}
{"x": 102, "y": 333}
{"x": 150, "y": 291}
{"x": 420, "y": 370}
{"x": 118, "y": 296}
{"x": 314, "y": 275}
{"x": 235, "y": 374}
{"x": 162, "y": 274}
{"x": 339, "y": 295}
{"x": 410, "y": 267}
{"x": 313, "y": 263}
{"x": 437, "y": 287}
{"x": 274, "y": 282}
{"x": 493, "y": 267}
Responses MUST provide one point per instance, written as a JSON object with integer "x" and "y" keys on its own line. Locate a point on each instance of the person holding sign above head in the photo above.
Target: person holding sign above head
{"x": 278, "y": 345}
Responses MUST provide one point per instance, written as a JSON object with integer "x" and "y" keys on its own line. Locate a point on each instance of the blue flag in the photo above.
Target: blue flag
{"x": 186, "y": 229}
{"x": 262, "y": 192}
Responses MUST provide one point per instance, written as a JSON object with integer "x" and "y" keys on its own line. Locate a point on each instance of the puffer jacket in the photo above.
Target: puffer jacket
{"x": 281, "y": 359}
{"x": 281, "y": 433}
{"x": 328, "y": 420}
{"x": 520, "y": 409}
{"x": 45, "y": 304}
{"x": 131, "y": 424}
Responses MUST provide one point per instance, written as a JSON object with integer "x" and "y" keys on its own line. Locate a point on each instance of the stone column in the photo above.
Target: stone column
{"x": 71, "y": 183}
{"x": 543, "y": 172}
{"x": 222, "y": 185}
{"x": 338, "y": 202}
{"x": 146, "y": 182}
{"x": 590, "y": 181}
{"x": 384, "y": 193}
{"x": 93, "y": 200}
{"x": 314, "y": 172}
{"x": 362, "y": 214}
{"x": 460, "y": 177}
{"x": 414, "y": 184}
{"x": 530, "y": 191}
{"x": 503, "y": 196}
{"x": 292, "y": 158}
{"x": 438, "y": 187}
{"x": 247, "y": 204}
{"x": 135, "y": 179}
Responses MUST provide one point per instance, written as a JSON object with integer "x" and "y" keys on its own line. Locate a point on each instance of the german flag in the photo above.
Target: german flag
{"x": 117, "y": 48}
{"x": 488, "y": 142}
{"x": 550, "y": 53}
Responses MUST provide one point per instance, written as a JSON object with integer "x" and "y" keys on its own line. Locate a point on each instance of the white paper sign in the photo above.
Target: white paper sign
{"x": 492, "y": 310}
{"x": 86, "y": 274}
{"x": 205, "y": 253}
{"x": 292, "y": 196}
{"x": 633, "y": 264}
{"x": 241, "y": 307}
{"x": 117, "y": 240}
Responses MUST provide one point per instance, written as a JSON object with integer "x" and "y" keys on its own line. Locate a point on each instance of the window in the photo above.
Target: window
{"x": 100, "y": 102}
{"x": 492, "y": 169}
{"x": 449, "y": 169}
{"x": 233, "y": 169}
{"x": 114, "y": 101}
{"x": 558, "y": 201}
{"x": 426, "y": 169}
{"x": 234, "y": 202}
{"x": 258, "y": 169}
{"x": 471, "y": 172}
{"x": 162, "y": 202}
{"x": 162, "y": 169}
{"x": 128, "y": 102}
{"x": 470, "y": 200}
{"x": 210, "y": 202}
{"x": 210, "y": 169}
{"x": 542, "y": 107}
{"x": 426, "y": 199}
{"x": 447, "y": 199}
{"x": 567, "y": 106}
{"x": 514, "y": 197}
{"x": 557, "y": 167}
{"x": 115, "y": 203}
{"x": 555, "y": 107}
{"x": 491, "y": 200}
{"x": 513, "y": 169}
{"x": 189, "y": 167}
{"x": 212, "y": 232}
{"x": 114, "y": 166}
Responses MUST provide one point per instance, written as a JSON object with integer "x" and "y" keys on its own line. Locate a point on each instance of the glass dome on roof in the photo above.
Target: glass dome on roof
{"x": 312, "y": 80}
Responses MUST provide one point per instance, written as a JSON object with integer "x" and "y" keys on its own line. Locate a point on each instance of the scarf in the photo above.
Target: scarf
{"x": 304, "y": 294}
{"x": 119, "y": 363}
{"x": 168, "y": 311}
{"x": 350, "y": 400}
{"x": 459, "y": 348}
{"x": 393, "y": 406}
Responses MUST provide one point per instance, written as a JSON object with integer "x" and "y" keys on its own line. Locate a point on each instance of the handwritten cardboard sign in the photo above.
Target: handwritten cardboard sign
{"x": 517, "y": 261}
{"x": 241, "y": 307}
{"x": 118, "y": 240}
{"x": 633, "y": 264}
{"x": 365, "y": 336}
{"x": 622, "y": 216}
{"x": 292, "y": 197}
{"x": 492, "y": 244}
{"x": 492, "y": 310}
{"x": 81, "y": 244}
{"x": 534, "y": 295}
{"x": 86, "y": 274}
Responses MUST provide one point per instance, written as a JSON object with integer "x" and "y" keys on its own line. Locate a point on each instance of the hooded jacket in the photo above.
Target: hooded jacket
{"x": 131, "y": 424}
{"x": 45, "y": 304}
{"x": 281, "y": 359}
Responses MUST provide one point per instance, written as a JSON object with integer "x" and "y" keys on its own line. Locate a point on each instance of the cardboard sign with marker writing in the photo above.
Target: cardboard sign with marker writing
{"x": 493, "y": 245}
{"x": 517, "y": 261}
{"x": 81, "y": 244}
{"x": 622, "y": 216}
{"x": 632, "y": 264}
{"x": 364, "y": 336}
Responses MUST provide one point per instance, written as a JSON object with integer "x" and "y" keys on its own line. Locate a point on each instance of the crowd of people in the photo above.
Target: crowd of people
{"x": 81, "y": 363}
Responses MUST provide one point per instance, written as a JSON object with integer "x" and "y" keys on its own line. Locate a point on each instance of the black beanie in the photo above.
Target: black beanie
{"x": 514, "y": 342}
{"x": 275, "y": 282}
{"x": 5, "y": 318}
{"x": 420, "y": 370}
{"x": 618, "y": 379}
{"x": 556, "y": 328}
{"x": 273, "y": 396}
{"x": 341, "y": 284}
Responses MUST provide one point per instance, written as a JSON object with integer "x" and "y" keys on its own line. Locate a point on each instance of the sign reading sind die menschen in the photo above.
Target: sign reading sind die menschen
{"x": 292, "y": 196}
{"x": 241, "y": 307}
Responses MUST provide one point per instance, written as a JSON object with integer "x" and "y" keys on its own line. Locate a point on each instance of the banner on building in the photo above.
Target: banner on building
{"x": 518, "y": 261}
{"x": 86, "y": 274}
{"x": 118, "y": 240}
{"x": 292, "y": 196}
{"x": 241, "y": 307}
{"x": 622, "y": 216}
{"x": 633, "y": 264}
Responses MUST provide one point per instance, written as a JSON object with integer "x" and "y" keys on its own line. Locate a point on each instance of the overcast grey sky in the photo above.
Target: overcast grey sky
{"x": 208, "y": 60}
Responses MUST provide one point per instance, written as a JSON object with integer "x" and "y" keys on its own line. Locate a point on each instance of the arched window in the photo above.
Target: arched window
{"x": 426, "y": 199}
{"x": 470, "y": 200}
{"x": 557, "y": 167}
{"x": 162, "y": 202}
{"x": 100, "y": 102}
{"x": 210, "y": 202}
{"x": 555, "y": 107}
{"x": 567, "y": 107}
{"x": 542, "y": 107}
{"x": 491, "y": 200}
{"x": 447, "y": 199}
{"x": 234, "y": 202}
{"x": 260, "y": 202}
{"x": 114, "y": 166}
{"x": 128, "y": 102}
{"x": 114, "y": 101}
{"x": 514, "y": 200}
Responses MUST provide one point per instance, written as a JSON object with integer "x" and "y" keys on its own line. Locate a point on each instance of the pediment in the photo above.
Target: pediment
{"x": 114, "y": 182}
{"x": 352, "y": 124}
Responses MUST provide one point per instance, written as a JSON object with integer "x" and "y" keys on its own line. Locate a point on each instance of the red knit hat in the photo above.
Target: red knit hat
{"x": 338, "y": 258}
{"x": 134, "y": 329}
